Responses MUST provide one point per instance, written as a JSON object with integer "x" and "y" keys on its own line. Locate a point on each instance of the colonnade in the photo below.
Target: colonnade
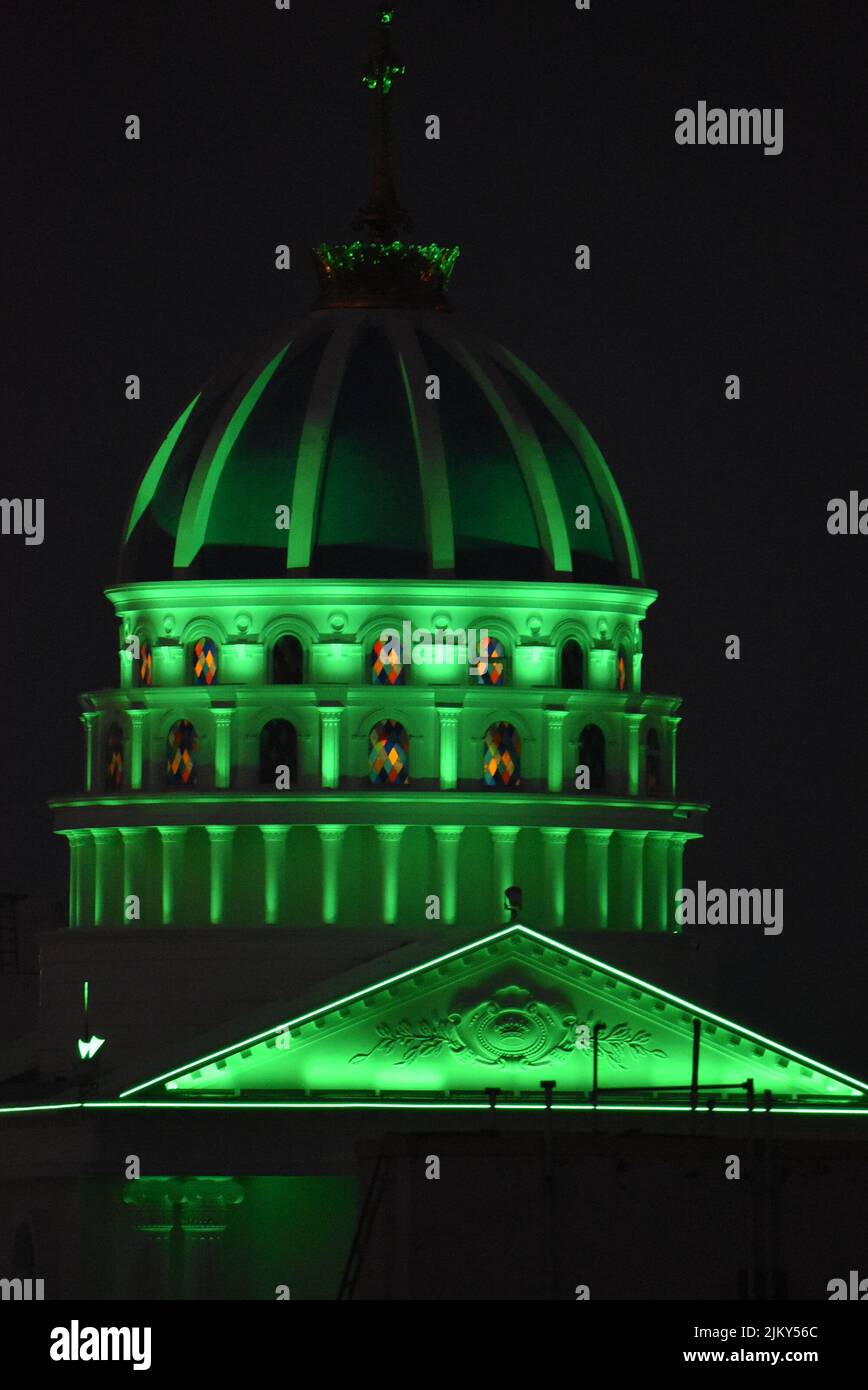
{"x": 110, "y": 865}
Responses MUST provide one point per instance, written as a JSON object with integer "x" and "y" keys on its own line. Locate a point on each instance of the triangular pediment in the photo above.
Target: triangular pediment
{"x": 507, "y": 1011}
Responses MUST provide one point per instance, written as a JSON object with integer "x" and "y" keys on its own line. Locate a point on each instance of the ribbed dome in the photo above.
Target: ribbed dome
{"x": 333, "y": 421}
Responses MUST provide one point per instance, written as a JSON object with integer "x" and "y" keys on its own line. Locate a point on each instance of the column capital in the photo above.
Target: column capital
{"x": 88, "y": 716}
{"x": 220, "y": 833}
{"x": 136, "y": 713}
{"x": 448, "y": 714}
{"x": 331, "y": 714}
{"x": 331, "y": 832}
{"x": 639, "y": 835}
{"x": 273, "y": 833}
{"x": 555, "y": 715}
{"x": 556, "y": 834}
{"x": 503, "y": 834}
{"x": 172, "y": 834}
{"x": 597, "y": 834}
{"x": 448, "y": 834}
{"x": 222, "y": 714}
{"x": 103, "y": 833}
{"x": 390, "y": 832}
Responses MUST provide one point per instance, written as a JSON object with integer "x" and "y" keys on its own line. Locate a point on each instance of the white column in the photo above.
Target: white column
{"x": 389, "y": 837}
{"x": 330, "y": 840}
{"x": 676, "y": 872}
{"x": 634, "y": 725}
{"x": 79, "y": 846}
{"x": 138, "y": 723}
{"x": 658, "y": 910}
{"x": 597, "y": 861}
{"x": 136, "y": 879}
{"x": 105, "y": 885}
{"x": 88, "y": 719}
{"x": 555, "y": 740}
{"x": 330, "y": 745}
{"x": 220, "y": 845}
{"x": 503, "y": 839}
{"x": 172, "y": 840}
{"x": 448, "y": 842}
{"x": 632, "y": 845}
{"x": 223, "y": 747}
{"x": 671, "y": 721}
{"x": 274, "y": 842}
{"x": 555, "y": 839}
{"x": 448, "y": 716}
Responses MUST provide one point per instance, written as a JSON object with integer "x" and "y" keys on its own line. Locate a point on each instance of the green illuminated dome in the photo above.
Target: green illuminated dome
{"x": 335, "y": 421}
{"x": 378, "y": 439}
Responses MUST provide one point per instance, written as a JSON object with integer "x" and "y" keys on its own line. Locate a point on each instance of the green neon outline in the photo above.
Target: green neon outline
{"x": 154, "y": 471}
{"x": 801, "y": 1108}
{"x": 552, "y": 944}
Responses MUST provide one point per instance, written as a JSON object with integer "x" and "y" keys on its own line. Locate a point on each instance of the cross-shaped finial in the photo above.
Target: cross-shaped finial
{"x": 385, "y": 66}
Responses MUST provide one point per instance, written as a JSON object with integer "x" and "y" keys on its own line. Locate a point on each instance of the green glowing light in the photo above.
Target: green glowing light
{"x": 330, "y": 1066}
{"x": 89, "y": 1047}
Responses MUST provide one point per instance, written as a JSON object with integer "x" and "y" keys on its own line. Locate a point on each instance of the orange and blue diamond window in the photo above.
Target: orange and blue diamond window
{"x": 502, "y": 756}
{"x": 114, "y": 770}
{"x": 490, "y": 666}
{"x": 205, "y": 662}
{"x": 386, "y": 667}
{"x": 146, "y": 664}
{"x": 181, "y": 763}
{"x": 390, "y": 754}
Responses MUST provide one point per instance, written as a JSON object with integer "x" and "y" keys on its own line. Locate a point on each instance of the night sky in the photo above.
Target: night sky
{"x": 157, "y": 258}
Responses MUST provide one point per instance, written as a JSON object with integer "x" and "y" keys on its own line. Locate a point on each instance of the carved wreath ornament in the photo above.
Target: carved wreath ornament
{"x": 510, "y": 1027}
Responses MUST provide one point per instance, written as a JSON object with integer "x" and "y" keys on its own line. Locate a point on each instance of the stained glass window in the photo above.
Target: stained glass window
{"x": 490, "y": 667}
{"x": 145, "y": 665}
{"x": 390, "y": 754}
{"x": 278, "y": 747}
{"x": 114, "y": 761}
{"x": 287, "y": 664}
{"x": 181, "y": 754}
{"x": 572, "y": 666}
{"x": 652, "y": 764}
{"x": 621, "y": 669}
{"x": 386, "y": 666}
{"x": 205, "y": 662}
{"x": 502, "y": 764}
{"x": 592, "y": 755}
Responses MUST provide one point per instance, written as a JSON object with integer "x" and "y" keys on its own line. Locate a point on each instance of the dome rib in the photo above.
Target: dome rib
{"x": 620, "y": 528}
{"x": 428, "y": 438}
{"x": 529, "y": 453}
{"x": 193, "y": 526}
{"x": 315, "y": 441}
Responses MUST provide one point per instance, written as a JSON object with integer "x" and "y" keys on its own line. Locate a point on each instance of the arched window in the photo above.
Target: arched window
{"x": 205, "y": 662}
{"x": 287, "y": 661}
{"x": 592, "y": 755}
{"x": 489, "y": 669}
{"x": 652, "y": 764}
{"x": 386, "y": 665}
{"x": 181, "y": 754}
{"x": 502, "y": 759}
{"x": 389, "y": 764}
{"x": 572, "y": 666}
{"x": 278, "y": 748}
{"x": 144, "y": 667}
{"x": 114, "y": 757}
{"x": 621, "y": 670}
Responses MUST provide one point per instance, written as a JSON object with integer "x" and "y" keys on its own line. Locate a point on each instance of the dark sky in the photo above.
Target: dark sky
{"x": 557, "y": 128}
